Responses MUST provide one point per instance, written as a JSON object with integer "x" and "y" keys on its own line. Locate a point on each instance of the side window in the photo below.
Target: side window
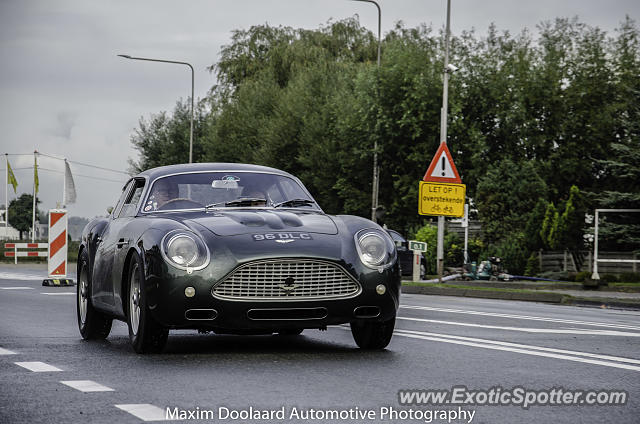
{"x": 130, "y": 205}
{"x": 118, "y": 206}
{"x": 291, "y": 189}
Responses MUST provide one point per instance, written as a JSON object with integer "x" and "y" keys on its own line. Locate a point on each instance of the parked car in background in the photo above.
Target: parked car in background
{"x": 234, "y": 249}
{"x": 405, "y": 256}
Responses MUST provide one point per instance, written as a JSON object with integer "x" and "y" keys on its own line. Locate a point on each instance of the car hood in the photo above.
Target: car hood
{"x": 238, "y": 222}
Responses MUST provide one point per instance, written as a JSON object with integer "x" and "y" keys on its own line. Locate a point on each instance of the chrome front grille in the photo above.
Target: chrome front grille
{"x": 287, "y": 279}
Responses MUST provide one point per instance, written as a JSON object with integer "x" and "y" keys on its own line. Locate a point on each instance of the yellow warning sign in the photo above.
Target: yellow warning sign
{"x": 441, "y": 199}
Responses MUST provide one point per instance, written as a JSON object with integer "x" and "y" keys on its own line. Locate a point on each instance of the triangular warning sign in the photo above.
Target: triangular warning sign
{"x": 442, "y": 168}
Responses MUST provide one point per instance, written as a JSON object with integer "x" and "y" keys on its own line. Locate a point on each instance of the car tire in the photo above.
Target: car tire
{"x": 373, "y": 335}
{"x": 145, "y": 334}
{"x": 93, "y": 324}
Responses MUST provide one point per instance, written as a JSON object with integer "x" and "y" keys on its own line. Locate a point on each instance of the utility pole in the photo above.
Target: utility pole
{"x": 443, "y": 134}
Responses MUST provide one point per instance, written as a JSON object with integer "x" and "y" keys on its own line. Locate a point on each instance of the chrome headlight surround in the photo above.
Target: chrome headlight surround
{"x": 196, "y": 253}
{"x": 375, "y": 248}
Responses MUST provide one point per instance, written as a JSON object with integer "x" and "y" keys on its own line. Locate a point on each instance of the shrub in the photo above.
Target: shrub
{"x": 609, "y": 278}
{"x": 555, "y": 275}
{"x": 582, "y": 276}
{"x": 629, "y": 277}
{"x": 533, "y": 265}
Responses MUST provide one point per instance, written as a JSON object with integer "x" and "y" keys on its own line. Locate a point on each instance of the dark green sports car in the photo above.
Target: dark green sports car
{"x": 233, "y": 249}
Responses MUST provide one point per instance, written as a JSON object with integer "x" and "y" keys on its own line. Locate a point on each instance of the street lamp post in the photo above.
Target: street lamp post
{"x": 376, "y": 170}
{"x": 192, "y": 90}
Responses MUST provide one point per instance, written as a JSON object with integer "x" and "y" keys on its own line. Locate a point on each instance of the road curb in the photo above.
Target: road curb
{"x": 544, "y": 297}
{"x": 602, "y": 303}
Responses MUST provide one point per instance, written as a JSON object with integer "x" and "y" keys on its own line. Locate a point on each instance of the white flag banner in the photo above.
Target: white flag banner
{"x": 70, "y": 187}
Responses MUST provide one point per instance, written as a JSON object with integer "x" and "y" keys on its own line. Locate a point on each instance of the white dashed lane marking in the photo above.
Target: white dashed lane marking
{"x": 59, "y": 294}
{"x": 37, "y": 366}
{"x": 16, "y": 288}
{"x": 144, "y": 411}
{"x": 87, "y": 386}
{"x": 6, "y": 352}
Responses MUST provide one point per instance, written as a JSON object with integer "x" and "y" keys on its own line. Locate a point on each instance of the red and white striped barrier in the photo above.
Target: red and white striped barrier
{"x": 57, "y": 243}
{"x": 25, "y": 253}
{"x": 57, "y": 249}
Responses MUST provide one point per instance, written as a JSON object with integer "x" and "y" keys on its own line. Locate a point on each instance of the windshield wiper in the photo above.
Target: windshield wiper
{"x": 294, "y": 203}
{"x": 243, "y": 201}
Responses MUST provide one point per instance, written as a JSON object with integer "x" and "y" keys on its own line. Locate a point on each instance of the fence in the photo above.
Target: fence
{"x": 583, "y": 261}
{"x": 25, "y": 253}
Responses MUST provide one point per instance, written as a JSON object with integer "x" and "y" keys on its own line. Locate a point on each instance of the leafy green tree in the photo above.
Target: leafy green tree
{"x": 572, "y": 223}
{"x": 534, "y": 225}
{"x": 529, "y": 118}
{"x": 547, "y": 225}
{"x": 20, "y": 212}
{"x": 505, "y": 197}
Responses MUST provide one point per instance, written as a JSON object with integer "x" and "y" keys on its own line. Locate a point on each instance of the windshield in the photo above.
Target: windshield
{"x": 225, "y": 189}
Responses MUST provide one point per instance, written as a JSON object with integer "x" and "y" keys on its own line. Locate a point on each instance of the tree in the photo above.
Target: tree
{"x": 506, "y": 197}
{"x": 20, "y": 212}
{"x": 547, "y": 225}
{"x": 530, "y": 118}
{"x": 571, "y": 225}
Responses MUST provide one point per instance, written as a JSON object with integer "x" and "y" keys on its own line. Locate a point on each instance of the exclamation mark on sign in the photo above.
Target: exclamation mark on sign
{"x": 443, "y": 173}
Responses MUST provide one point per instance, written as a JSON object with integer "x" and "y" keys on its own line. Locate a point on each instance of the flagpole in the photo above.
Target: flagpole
{"x": 64, "y": 185}
{"x": 33, "y": 216}
{"x": 6, "y": 198}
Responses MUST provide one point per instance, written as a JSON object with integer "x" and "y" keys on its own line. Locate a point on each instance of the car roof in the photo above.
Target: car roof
{"x": 162, "y": 171}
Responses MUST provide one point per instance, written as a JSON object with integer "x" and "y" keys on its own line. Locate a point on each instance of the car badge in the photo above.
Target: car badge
{"x": 284, "y": 240}
{"x": 289, "y": 285}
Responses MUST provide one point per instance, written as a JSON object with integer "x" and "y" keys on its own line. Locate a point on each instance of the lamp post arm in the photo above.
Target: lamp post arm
{"x": 126, "y": 56}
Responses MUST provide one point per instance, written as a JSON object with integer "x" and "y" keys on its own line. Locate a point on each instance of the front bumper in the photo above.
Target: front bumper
{"x": 171, "y": 308}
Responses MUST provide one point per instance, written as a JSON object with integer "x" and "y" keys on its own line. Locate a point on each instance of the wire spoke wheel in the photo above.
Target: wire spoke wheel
{"x": 145, "y": 333}
{"x": 83, "y": 288}
{"x": 134, "y": 299}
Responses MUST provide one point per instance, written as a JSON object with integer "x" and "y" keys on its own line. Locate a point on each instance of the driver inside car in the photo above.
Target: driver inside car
{"x": 164, "y": 191}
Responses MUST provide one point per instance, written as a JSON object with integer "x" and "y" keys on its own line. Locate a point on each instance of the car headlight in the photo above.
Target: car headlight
{"x": 376, "y": 250}
{"x": 185, "y": 251}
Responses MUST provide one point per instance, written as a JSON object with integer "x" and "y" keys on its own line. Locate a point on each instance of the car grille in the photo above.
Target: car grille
{"x": 296, "y": 279}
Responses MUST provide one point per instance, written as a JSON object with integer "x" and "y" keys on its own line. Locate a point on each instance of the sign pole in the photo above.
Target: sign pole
{"x": 465, "y": 222}
{"x": 416, "y": 266}
{"x": 443, "y": 136}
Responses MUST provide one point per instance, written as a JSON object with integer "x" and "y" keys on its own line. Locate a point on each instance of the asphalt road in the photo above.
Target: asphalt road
{"x": 440, "y": 343}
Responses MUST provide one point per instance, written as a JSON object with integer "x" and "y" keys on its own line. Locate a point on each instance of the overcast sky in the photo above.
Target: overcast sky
{"x": 64, "y": 92}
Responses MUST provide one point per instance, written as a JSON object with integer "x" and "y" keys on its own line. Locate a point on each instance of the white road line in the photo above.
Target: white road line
{"x": 87, "y": 386}
{"x": 144, "y": 411}
{"x": 16, "y": 288}
{"x": 517, "y": 345}
{"x": 404, "y": 333}
{"x": 528, "y": 330}
{"x": 20, "y": 276}
{"x": 7, "y": 352}
{"x": 37, "y": 366}
{"x": 59, "y": 294}
{"x": 525, "y": 317}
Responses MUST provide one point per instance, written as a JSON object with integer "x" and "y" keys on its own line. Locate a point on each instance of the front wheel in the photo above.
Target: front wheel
{"x": 373, "y": 335}
{"x": 92, "y": 323}
{"x": 145, "y": 334}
